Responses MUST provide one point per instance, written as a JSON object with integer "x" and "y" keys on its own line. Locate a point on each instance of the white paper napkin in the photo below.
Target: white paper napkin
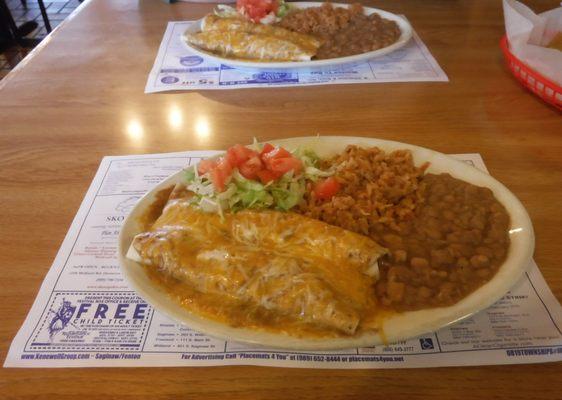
{"x": 528, "y": 33}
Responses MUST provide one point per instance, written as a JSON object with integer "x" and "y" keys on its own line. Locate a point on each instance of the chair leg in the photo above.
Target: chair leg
{"x": 8, "y": 21}
{"x": 45, "y": 16}
{"x": 15, "y": 33}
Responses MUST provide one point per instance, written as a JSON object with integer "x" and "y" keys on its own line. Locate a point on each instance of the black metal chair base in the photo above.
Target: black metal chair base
{"x": 45, "y": 16}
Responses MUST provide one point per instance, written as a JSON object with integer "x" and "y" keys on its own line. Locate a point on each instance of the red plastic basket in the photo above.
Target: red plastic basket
{"x": 546, "y": 89}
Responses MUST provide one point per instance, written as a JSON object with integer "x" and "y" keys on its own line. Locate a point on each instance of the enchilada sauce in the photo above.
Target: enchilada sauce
{"x": 255, "y": 270}
{"x": 155, "y": 208}
{"x": 239, "y": 314}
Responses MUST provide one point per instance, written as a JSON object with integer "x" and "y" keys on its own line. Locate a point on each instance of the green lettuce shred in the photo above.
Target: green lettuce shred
{"x": 241, "y": 193}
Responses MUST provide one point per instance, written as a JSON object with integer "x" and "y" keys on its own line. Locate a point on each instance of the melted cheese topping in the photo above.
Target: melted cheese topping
{"x": 215, "y": 23}
{"x": 242, "y": 39}
{"x": 245, "y": 45}
{"x": 281, "y": 265}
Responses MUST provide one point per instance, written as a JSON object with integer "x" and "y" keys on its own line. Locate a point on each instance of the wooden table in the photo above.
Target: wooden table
{"x": 77, "y": 97}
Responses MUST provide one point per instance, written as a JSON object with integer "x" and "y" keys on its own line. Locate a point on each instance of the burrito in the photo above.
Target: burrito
{"x": 249, "y": 46}
{"x": 290, "y": 265}
{"x": 215, "y": 23}
{"x": 234, "y": 37}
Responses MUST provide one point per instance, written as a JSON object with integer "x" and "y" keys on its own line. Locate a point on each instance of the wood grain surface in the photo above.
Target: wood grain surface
{"x": 79, "y": 96}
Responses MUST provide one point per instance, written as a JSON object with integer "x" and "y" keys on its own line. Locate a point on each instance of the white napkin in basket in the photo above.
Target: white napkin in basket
{"x": 528, "y": 33}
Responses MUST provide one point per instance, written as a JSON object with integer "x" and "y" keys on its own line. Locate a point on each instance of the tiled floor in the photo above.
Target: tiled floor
{"x": 57, "y": 10}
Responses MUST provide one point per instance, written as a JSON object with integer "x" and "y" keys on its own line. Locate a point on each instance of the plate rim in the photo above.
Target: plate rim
{"x": 398, "y": 326}
{"x": 405, "y": 28}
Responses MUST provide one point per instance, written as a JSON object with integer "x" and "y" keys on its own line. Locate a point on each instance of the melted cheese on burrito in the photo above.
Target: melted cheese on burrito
{"x": 215, "y": 23}
{"x": 235, "y": 44}
{"x": 286, "y": 264}
{"x": 243, "y": 39}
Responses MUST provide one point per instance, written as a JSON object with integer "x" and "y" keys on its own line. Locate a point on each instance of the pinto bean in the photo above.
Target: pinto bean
{"x": 400, "y": 256}
{"x": 419, "y": 262}
{"x": 395, "y": 291}
{"x": 455, "y": 242}
{"x": 479, "y": 261}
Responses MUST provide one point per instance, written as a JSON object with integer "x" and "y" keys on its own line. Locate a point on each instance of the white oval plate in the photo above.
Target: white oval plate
{"x": 396, "y": 327}
{"x": 403, "y": 24}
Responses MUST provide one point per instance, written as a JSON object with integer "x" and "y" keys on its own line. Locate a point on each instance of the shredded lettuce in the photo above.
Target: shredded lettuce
{"x": 310, "y": 161}
{"x": 255, "y": 145}
{"x": 283, "y": 9}
{"x": 307, "y": 156}
{"x": 189, "y": 174}
{"x": 269, "y": 19}
{"x": 224, "y": 11}
{"x": 287, "y": 193}
{"x": 241, "y": 193}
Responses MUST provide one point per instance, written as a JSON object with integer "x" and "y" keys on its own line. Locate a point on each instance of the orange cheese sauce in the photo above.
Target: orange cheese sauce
{"x": 283, "y": 232}
{"x": 155, "y": 209}
{"x": 324, "y": 250}
{"x": 234, "y": 313}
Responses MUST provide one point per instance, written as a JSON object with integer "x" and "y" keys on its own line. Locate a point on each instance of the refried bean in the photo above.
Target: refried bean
{"x": 456, "y": 243}
{"x": 343, "y": 31}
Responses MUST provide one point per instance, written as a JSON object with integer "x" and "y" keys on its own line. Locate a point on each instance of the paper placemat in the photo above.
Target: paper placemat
{"x": 86, "y": 315}
{"x": 176, "y": 68}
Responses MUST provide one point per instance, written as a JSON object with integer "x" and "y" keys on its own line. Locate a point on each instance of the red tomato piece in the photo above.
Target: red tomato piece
{"x": 266, "y": 149}
{"x": 327, "y": 188}
{"x": 250, "y": 168}
{"x": 220, "y": 174}
{"x": 218, "y": 181}
{"x": 285, "y": 164}
{"x": 231, "y": 158}
{"x": 238, "y": 154}
{"x": 257, "y": 9}
{"x": 267, "y": 176}
{"x": 205, "y": 166}
{"x": 278, "y": 152}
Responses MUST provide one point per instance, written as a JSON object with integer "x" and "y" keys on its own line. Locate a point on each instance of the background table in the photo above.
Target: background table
{"x": 79, "y": 96}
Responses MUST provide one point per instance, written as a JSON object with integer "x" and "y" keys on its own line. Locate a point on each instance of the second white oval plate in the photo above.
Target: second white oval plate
{"x": 403, "y": 24}
{"x": 394, "y": 328}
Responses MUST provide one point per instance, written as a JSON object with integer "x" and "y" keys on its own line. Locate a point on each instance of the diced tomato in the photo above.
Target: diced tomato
{"x": 217, "y": 179}
{"x": 224, "y": 166}
{"x": 285, "y": 164}
{"x": 205, "y": 166}
{"x": 278, "y": 152}
{"x": 231, "y": 158}
{"x": 257, "y": 9}
{"x": 266, "y": 149}
{"x": 250, "y": 168}
{"x": 327, "y": 188}
{"x": 220, "y": 174}
{"x": 267, "y": 176}
{"x": 238, "y": 154}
